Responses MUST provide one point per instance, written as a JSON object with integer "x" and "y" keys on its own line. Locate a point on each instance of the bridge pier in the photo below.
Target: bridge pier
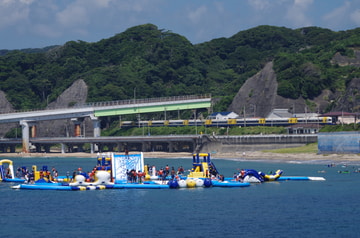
{"x": 25, "y": 136}
{"x": 100, "y": 147}
{"x": 77, "y": 126}
{"x": 38, "y": 148}
{"x": 12, "y": 149}
{"x": 196, "y": 148}
{"x": 146, "y": 146}
{"x": 33, "y": 131}
{"x": 80, "y": 148}
{"x": 171, "y": 146}
{"x": 77, "y": 129}
{"x": 47, "y": 148}
{"x": 97, "y": 131}
{"x": 96, "y": 125}
{"x": 121, "y": 146}
{"x": 143, "y": 146}
{"x": 110, "y": 147}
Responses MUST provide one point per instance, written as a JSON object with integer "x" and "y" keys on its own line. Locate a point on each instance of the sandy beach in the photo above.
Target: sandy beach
{"x": 250, "y": 155}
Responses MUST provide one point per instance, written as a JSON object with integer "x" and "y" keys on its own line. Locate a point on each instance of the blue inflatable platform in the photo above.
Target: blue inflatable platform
{"x": 229, "y": 184}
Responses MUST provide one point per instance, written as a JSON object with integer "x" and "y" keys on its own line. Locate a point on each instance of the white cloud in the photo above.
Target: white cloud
{"x": 81, "y": 15}
{"x": 259, "y": 4}
{"x": 338, "y": 13}
{"x": 303, "y": 4}
{"x": 197, "y": 15}
{"x": 77, "y": 16}
{"x": 13, "y": 12}
{"x": 296, "y": 13}
{"x": 46, "y": 30}
{"x": 25, "y": 1}
{"x": 74, "y": 15}
{"x": 219, "y": 6}
{"x": 134, "y": 6}
{"x": 355, "y": 16}
{"x": 101, "y": 3}
{"x": 90, "y": 20}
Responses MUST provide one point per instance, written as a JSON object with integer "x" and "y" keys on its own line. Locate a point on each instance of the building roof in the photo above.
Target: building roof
{"x": 279, "y": 113}
{"x": 221, "y": 113}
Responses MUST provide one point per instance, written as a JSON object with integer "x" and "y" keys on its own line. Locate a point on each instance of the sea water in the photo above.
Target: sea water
{"x": 274, "y": 209}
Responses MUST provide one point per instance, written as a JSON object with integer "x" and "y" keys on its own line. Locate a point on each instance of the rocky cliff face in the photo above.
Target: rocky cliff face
{"x": 75, "y": 95}
{"x": 345, "y": 61}
{"x": 5, "y": 107}
{"x": 258, "y": 96}
{"x": 347, "y": 99}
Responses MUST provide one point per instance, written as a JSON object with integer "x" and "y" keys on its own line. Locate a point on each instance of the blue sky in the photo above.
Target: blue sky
{"x": 40, "y": 23}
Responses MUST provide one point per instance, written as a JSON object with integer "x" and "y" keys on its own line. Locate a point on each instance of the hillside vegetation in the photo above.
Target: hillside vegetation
{"x": 147, "y": 62}
{"x": 190, "y": 130}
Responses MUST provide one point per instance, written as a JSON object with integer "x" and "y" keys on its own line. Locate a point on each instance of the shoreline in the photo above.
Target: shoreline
{"x": 243, "y": 156}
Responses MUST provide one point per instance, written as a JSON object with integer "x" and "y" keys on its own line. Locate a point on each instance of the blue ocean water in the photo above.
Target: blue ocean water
{"x": 275, "y": 209}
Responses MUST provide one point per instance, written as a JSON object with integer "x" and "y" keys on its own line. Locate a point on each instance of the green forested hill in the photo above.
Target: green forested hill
{"x": 154, "y": 63}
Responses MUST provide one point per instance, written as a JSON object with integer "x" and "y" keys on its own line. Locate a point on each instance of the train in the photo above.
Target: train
{"x": 240, "y": 122}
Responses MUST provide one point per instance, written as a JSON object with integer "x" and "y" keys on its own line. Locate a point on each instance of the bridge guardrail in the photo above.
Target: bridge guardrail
{"x": 117, "y": 102}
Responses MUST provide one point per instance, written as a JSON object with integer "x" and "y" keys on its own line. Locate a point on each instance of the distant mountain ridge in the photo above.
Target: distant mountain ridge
{"x": 29, "y": 50}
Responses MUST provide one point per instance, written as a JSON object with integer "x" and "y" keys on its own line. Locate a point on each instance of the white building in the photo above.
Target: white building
{"x": 223, "y": 115}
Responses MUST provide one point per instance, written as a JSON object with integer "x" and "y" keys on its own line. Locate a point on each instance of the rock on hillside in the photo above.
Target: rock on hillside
{"x": 76, "y": 94}
{"x": 347, "y": 99}
{"x": 345, "y": 61}
{"x": 258, "y": 97}
{"x": 5, "y": 107}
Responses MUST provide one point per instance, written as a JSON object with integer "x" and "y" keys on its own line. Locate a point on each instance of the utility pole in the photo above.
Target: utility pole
{"x": 244, "y": 117}
{"x": 195, "y": 122}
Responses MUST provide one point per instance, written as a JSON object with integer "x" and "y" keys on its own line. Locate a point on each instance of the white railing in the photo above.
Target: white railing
{"x": 117, "y": 102}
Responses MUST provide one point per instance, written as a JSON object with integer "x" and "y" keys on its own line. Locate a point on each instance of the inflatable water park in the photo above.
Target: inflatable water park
{"x": 7, "y": 172}
{"x": 126, "y": 171}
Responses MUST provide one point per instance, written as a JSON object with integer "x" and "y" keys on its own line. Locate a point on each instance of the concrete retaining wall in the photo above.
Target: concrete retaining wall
{"x": 345, "y": 142}
{"x": 239, "y": 144}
